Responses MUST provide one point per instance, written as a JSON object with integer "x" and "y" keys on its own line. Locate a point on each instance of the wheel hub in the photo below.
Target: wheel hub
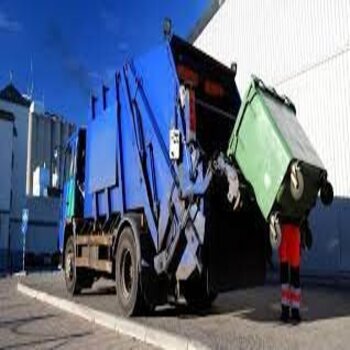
{"x": 275, "y": 231}
{"x": 69, "y": 266}
{"x": 127, "y": 273}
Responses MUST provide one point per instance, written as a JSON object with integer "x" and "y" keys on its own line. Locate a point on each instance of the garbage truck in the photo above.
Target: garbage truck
{"x": 150, "y": 198}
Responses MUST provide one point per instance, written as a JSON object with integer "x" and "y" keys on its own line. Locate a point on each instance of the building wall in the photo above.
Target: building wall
{"x": 42, "y": 231}
{"x": 303, "y": 49}
{"x": 20, "y": 155}
{"x": 6, "y": 147}
{"x": 47, "y": 133}
{"x": 4, "y": 240}
{"x": 18, "y": 181}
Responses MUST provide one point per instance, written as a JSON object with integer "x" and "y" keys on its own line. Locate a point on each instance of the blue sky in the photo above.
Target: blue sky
{"x": 75, "y": 45}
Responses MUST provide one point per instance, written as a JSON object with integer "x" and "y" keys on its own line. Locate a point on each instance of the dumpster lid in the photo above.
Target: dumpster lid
{"x": 284, "y": 115}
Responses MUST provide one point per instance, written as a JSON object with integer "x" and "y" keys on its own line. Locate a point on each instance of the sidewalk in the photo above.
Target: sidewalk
{"x": 27, "y": 324}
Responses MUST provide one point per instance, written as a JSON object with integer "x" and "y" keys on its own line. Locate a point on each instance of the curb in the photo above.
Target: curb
{"x": 159, "y": 338}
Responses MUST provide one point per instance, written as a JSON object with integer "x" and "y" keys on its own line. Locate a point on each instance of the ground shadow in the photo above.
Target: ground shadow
{"x": 108, "y": 290}
{"x": 262, "y": 304}
{"x": 259, "y": 304}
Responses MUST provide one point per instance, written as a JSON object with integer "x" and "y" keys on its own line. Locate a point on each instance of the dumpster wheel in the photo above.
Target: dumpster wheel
{"x": 275, "y": 231}
{"x": 327, "y": 193}
{"x": 296, "y": 182}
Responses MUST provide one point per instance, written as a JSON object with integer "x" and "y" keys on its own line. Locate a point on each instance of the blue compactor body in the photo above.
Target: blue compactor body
{"x": 149, "y": 198}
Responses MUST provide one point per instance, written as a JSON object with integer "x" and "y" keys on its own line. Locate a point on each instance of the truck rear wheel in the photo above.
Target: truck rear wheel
{"x": 127, "y": 275}
{"x": 76, "y": 278}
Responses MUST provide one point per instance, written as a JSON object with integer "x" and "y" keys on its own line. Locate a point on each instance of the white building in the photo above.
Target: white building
{"x": 28, "y": 139}
{"x": 6, "y": 157}
{"x": 302, "y": 48}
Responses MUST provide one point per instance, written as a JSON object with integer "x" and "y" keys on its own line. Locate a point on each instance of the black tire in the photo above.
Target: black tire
{"x": 76, "y": 278}
{"x": 130, "y": 300}
{"x": 70, "y": 270}
{"x": 327, "y": 193}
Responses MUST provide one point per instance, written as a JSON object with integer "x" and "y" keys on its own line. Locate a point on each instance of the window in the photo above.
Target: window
{"x": 68, "y": 163}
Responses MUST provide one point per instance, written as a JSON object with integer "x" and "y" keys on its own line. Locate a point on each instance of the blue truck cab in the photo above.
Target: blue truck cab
{"x": 72, "y": 204}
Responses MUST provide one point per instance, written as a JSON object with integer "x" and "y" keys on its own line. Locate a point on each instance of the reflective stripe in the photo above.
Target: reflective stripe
{"x": 295, "y": 297}
{"x": 285, "y": 294}
{"x": 285, "y": 302}
{"x": 295, "y": 304}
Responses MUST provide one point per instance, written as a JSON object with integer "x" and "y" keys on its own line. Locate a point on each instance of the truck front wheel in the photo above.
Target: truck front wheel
{"x": 127, "y": 275}
{"x": 76, "y": 278}
{"x": 70, "y": 270}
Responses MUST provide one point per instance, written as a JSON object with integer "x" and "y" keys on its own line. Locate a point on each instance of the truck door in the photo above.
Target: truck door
{"x": 74, "y": 177}
{"x": 69, "y": 180}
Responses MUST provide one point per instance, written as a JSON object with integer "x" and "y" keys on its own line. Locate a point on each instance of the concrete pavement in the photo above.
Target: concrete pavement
{"x": 28, "y": 324}
{"x": 246, "y": 319}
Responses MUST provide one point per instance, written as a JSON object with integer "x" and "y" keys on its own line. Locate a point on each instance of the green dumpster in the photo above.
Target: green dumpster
{"x": 276, "y": 157}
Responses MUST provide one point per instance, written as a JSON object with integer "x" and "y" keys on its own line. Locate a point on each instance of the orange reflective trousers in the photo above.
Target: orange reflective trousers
{"x": 289, "y": 255}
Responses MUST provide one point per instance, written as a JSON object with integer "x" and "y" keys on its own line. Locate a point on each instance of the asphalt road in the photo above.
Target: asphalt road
{"x": 246, "y": 319}
{"x": 29, "y": 324}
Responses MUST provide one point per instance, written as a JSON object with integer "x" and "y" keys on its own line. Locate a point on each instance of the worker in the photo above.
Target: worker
{"x": 289, "y": 255}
